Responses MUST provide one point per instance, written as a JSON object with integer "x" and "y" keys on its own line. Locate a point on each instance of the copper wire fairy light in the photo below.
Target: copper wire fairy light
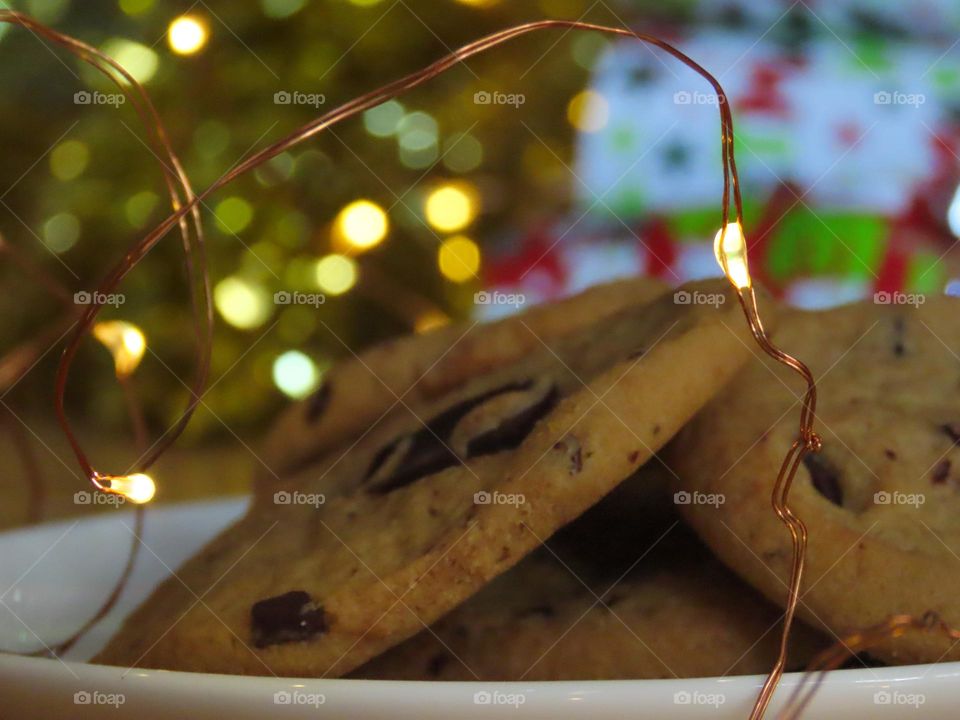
{"x": 730, "y": 246}
{"x": 137, "y": 487}
{"x": 133, "y": 487}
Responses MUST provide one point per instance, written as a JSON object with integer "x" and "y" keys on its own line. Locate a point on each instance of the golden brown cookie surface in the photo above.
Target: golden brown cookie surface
{"x": 311, "y": 588}
{"x": 881, "y": 500}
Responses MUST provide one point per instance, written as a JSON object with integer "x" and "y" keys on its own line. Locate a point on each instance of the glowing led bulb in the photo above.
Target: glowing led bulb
{"x": 362, "y": 224}
{"x": 137, "y": 488}
{"x": 125, "y": 342}
{"x": 187, "y": 35}
{"x": 730, "y": 248}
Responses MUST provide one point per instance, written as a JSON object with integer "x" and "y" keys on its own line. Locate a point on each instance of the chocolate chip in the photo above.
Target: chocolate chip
{"x": 407, "y": 459}
{"x": 546, "y": 611}
{"x": 941, "y": 471}
{"x": 891, "y": 455}
{"x": 952, "y": 431}
{"x": 428, "y": 450}
{"x": 290, "y": 617}
{"x": 899, "y": 349}
{"x": 825, "y": 477}
{"x": 523, "y": 410}
{"x": 318, "y": 403}
{"x": 571, "y": 446}
{"x": 633, "y": 457}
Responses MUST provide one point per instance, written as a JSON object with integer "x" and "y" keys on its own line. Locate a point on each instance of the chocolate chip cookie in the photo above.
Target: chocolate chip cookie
{"x": 473, "y": 482}
{"x": 358, "y": 392}
{"x": 881, "y": 500}
{"x": 538, "y": 622}
{"x": 642, "y": 598}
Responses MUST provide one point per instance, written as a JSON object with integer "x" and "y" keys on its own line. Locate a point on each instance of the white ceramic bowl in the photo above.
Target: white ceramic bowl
{"x": 53, "y": 577}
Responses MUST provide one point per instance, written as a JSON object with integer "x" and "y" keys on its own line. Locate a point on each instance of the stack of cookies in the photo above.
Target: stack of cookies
{"x": 582, "y": 491}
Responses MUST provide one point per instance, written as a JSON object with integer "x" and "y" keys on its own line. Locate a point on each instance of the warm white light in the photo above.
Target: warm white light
{"x": 126, "y": 343}
{"x": 730, "y": 248}
{"x": 335, "y": 274}
{"x": 241, "y": 303}
{"x": 459, "y": 259}
{"x": 187, "y": 35}
{"x": 295, "y": 374}
{"x": 451, "y": 207}
{"x": 138, "y": 488}
{"x": 362, "y": 224}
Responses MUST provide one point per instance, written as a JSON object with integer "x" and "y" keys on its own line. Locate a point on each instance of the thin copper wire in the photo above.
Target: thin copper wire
{"x": 187, "y": 218}
{"x": 835, "y": 655}
{"x": 198, "y": 277}
{"x": 731, "y": 190}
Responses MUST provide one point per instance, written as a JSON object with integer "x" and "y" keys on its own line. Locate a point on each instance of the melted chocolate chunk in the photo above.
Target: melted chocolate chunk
{"x": 291, "y": 617}
{"x": 427, "y": 450}
{"x": 940, "y": 473}
{"x": 825, "y": 477}
{"x": 318, "y": 403}
{"x": 513, "y": 430}
{"x": 899, "y": 349}
{"x": 546, "y": 611}
{"x": 952, "y": 431}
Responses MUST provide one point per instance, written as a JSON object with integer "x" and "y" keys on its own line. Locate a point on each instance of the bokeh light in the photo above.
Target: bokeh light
{"x": 136, "y": 7}
{"x": 233, "y": 215}
{"x": 138, "y": 60}
{"x": 384, "y": 120}
{"x": 588, "y": 111}
{"x": 140, "y": 206}
{"x": 187, "y": 35}
{"x": 451, "y": 207}
{"x": 61, "y": 232}
{"x": 335, "y": 274}
{"x": 280, "y": 9}
{"x": 459, "y": 258}
{"x": 69, "y": 159}
{"x": 295, "y": 374}
{"x": 241, "y": 303}
{"x": 462, "y": 153}
{"x": 362, "y": 224}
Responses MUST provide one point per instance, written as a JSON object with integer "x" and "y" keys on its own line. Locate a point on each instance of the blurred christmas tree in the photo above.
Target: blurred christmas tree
{"x": 387, "y": 218}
